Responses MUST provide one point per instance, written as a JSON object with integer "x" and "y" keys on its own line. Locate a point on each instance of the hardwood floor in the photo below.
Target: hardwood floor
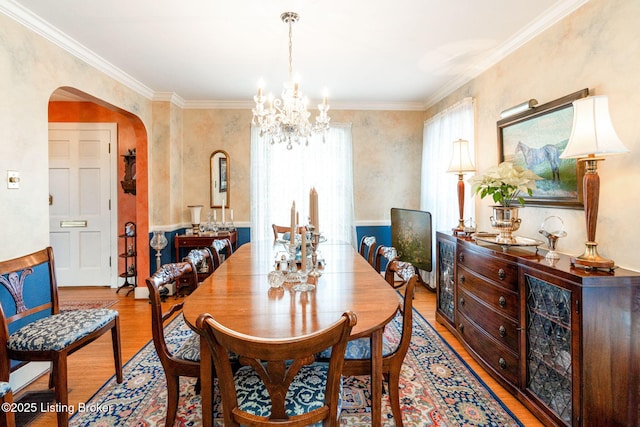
{"x": 92, "y": 366}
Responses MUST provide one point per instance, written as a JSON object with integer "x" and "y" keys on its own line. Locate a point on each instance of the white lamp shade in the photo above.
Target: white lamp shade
{"x": 592, "y": 131}
{"x": 460, "y": 158}
{"x": 195, "y": 213}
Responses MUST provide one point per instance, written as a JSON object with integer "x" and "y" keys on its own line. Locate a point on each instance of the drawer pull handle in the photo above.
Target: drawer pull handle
{"x": 502, "y": 301}
{"x": 462, "y": 279}
{"x": 462, "y": 302}
{"x": 461, "y": 257}
{"x": 503, "y": 331}
{"x": 502, "y": 363}
{"x": 502, "y": 274}
{"x": 461, "y": 328}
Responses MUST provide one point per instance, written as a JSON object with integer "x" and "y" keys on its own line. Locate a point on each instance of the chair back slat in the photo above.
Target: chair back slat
{"x": 29, "y": 291}
{"x": 276, "y": 362}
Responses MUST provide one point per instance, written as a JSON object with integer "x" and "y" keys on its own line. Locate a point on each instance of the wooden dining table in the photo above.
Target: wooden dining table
{"x": 238, "y": 296}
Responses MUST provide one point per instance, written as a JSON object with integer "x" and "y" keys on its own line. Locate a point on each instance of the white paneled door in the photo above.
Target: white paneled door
{"x": 80, "y": 198}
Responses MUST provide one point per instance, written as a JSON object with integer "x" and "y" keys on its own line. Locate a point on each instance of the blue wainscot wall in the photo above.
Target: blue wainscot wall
{"x": 168, "y": 254}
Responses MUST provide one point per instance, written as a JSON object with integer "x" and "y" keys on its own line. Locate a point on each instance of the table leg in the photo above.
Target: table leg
{"x": 206, "y": 381}
{"x": 376, "y": 378}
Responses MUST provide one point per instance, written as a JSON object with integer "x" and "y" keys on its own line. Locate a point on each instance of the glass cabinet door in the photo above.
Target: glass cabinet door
{"x": 446, "y": 266}
{"x": 549, "y": 359}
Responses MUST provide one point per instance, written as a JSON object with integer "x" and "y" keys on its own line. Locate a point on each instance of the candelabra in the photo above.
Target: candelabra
{"x": 315, "y": 241}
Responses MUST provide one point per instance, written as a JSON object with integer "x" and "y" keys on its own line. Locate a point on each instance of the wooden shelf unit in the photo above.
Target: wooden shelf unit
{"x": 130, "y": 255}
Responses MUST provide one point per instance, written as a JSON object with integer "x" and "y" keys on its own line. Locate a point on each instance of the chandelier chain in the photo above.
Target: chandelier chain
{"x": 290, "y": 50}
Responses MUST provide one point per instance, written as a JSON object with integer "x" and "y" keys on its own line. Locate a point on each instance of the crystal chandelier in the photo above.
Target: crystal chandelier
{"x": 287, "y": 119}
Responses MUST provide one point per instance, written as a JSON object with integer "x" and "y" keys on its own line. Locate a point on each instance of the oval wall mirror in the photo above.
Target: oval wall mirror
{"x": 220, "y": 184}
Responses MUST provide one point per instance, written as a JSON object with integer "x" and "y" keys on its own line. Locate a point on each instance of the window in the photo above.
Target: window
{"x": 438, "y": 188}
{"x": 280, "y": 177}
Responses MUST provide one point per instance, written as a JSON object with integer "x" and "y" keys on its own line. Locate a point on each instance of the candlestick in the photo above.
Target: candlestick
{"x": 292, "y": 231}
{"x": 303, "y": 253}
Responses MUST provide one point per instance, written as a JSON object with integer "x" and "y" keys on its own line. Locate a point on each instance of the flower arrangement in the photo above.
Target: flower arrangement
{"x": 504, "y": 183}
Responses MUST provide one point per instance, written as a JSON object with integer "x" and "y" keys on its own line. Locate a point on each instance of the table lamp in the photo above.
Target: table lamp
{"x": 460, "y": 164}
{"x": 592, "y": 135}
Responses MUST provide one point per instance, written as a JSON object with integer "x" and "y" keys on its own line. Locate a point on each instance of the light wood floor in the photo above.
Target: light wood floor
{"x": 92, "y": 366}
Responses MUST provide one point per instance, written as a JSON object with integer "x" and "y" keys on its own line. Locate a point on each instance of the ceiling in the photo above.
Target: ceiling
{"x": 401, "y": 54}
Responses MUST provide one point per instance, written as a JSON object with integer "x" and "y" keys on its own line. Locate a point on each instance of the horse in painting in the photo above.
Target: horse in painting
{"x": 536, "y": 156}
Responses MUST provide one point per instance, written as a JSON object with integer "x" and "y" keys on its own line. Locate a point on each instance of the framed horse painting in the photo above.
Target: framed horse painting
{"x": 534, "y": 140}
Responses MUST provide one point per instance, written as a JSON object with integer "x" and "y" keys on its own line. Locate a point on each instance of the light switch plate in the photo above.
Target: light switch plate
{"x": 13, "y": 179}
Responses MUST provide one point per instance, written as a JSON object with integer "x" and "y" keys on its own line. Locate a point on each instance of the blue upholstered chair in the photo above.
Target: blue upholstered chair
{"x": 221, "y": 250}
{"x": 33, "y": 329}
{"x": 368, "y": 249}
{"x": 181, "y": 357}
{"x": 202, "y": 262}
{"x": 358, "y": 352}
{"x": 280, "y": 383}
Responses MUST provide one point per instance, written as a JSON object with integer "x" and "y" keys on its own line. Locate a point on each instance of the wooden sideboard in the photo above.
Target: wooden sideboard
{"x": 183, "y": 242}
{"x": 565, "y": 341}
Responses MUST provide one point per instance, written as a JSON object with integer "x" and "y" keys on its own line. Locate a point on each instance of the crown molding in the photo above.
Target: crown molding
{"x": 60, "y": 39}
{"x": 547, "y": 19}
{"x": 172, "y": 97}
{"x": 248, "y": 105}
{"x": 49, "y": 32}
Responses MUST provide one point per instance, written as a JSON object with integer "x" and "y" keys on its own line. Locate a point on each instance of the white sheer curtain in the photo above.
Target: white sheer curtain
{"x": 438, "y": 188}
{"x": 280, "y": 176}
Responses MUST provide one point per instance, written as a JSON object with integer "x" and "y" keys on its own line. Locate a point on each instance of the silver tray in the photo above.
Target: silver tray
{"x": 519, "y": 241}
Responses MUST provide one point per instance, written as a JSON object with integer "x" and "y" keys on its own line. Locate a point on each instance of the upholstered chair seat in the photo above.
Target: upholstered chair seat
{"x": 309, "y": 382}
{"x": 186, "y": 346}
{"x": 361, "y": 348}
{"x": 5, "y": 388}
{"x": 56, "y": 332}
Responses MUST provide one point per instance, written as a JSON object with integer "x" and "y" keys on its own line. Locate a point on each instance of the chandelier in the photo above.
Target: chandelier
{"x": 287, "y": 119}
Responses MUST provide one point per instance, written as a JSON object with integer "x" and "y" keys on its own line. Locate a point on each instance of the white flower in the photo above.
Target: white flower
{"x": 504, "y": 183}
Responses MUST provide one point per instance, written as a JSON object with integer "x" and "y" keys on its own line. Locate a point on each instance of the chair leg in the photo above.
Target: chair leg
{"x": 173, "y": 396}
{"x": 7, "y": 418}
{"x": 117, "y": 356}
{"x": 60, "y": 388}
{"x": 394, "y": 397}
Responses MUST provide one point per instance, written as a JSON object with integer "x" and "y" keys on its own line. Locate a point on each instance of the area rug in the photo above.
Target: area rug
{"x": 84, "y": 304}
{"x": 437, "y": 389}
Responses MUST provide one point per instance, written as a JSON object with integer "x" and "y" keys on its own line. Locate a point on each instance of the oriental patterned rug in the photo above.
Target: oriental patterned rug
{"x": 437, "y": 389}
{"x": 66, "y": 305}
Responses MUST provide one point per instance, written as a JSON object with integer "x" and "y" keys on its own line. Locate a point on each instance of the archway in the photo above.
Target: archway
{"x": 67, "y": 104}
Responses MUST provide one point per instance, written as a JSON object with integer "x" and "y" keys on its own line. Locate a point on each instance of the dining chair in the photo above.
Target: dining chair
{"x": 397, "y": 272}
{"x": 358, "y": 353}
{"x": 222, "y": 249}
{"x": 384, "y": 255}
{"x": 279, "y": 231}
{"x": 280, "y": 383}
{"x": 202, "y": 262}
{"x": 367, "y": 248}
{"x": 33, "y": 328}
{"x": 7, "y": 417}
{"x": 181, "y": 356}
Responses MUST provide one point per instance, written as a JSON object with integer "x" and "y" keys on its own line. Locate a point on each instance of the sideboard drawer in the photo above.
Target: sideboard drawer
{"x": 497, "y": 270}
{"x": 503, "y": 300}
{"x": 501, "y": 328}
{"x": 498, "y": 357}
